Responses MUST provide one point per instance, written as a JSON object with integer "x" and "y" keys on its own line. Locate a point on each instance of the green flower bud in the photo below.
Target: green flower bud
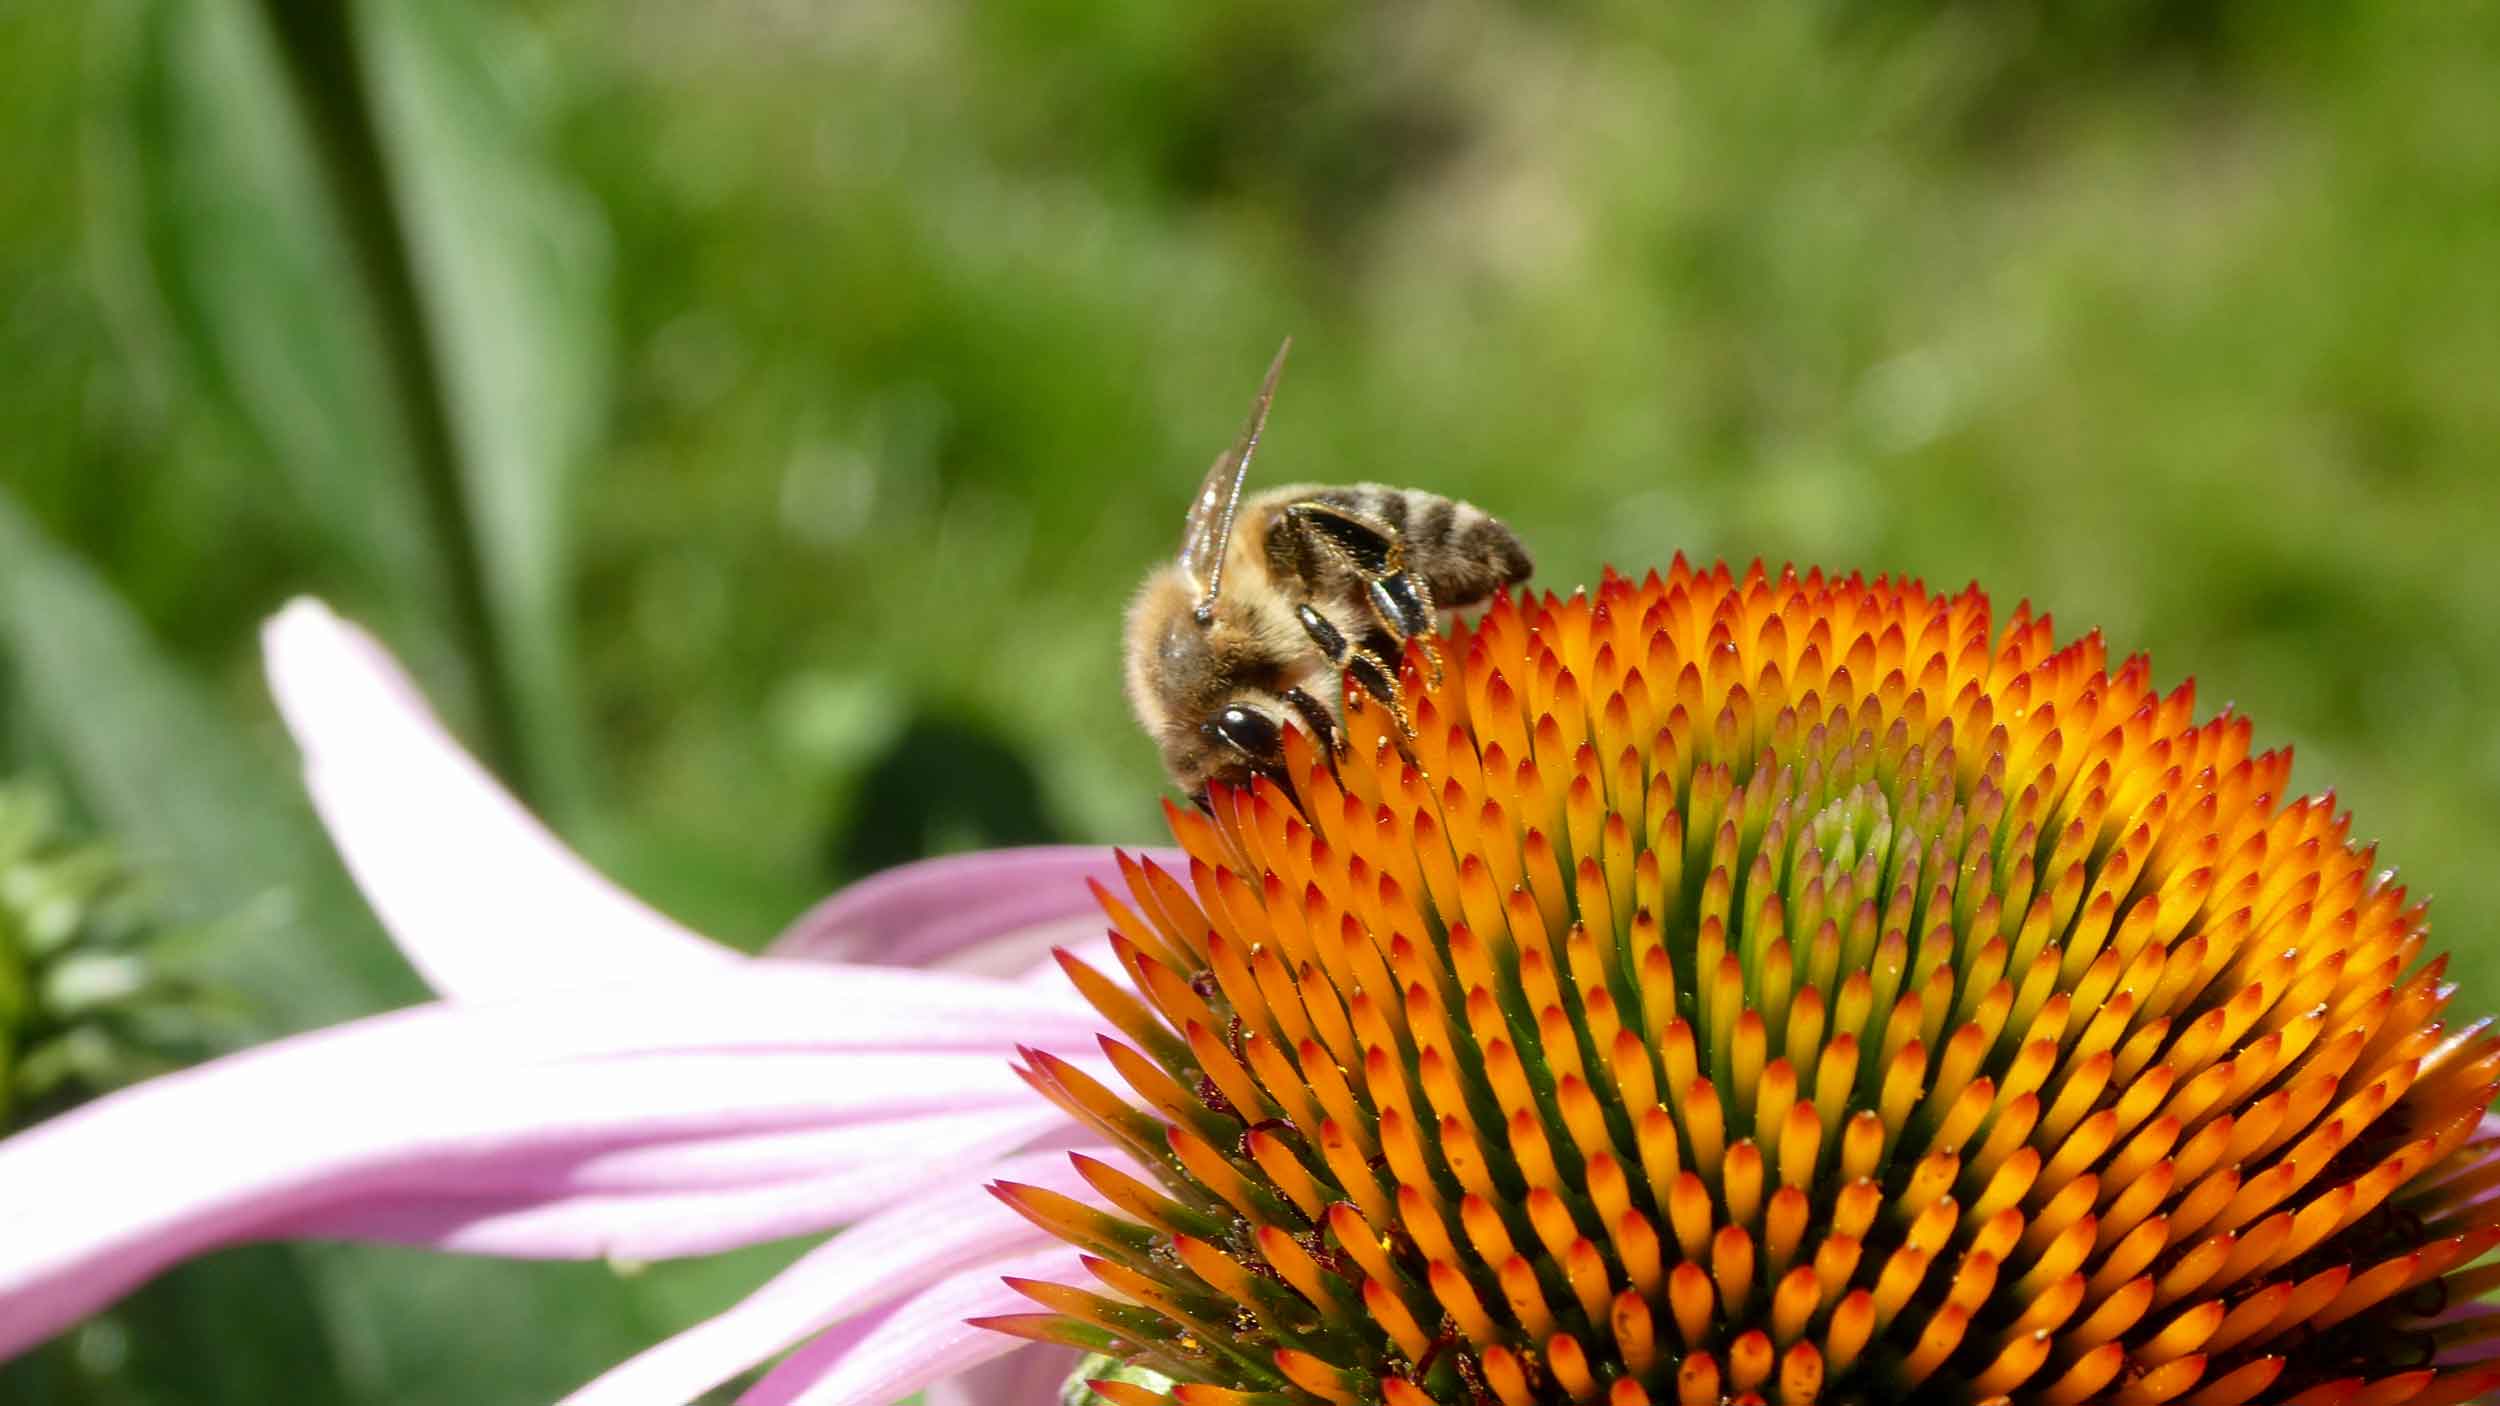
{"x": 84, "y": 1004}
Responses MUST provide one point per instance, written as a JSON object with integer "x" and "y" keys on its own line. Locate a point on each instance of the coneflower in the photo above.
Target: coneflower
{"x": 1776, "y": 989}
{"x": 1765, "y": 990}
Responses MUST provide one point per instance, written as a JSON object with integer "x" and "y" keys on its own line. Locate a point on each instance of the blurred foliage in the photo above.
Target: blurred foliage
{"x": 85, "y": 1002}
{"x": 749, "y": 419}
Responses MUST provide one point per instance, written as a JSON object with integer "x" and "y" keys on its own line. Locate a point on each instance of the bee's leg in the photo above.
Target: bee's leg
{"x": 1324, "y": 633}
{"x": 1403, "y": 606}
{"x": 1399, "y": 600}
{"x": 1377, "y": 679}
{"x": 1317, "y": 721}
{"x": 1381, "y": 682}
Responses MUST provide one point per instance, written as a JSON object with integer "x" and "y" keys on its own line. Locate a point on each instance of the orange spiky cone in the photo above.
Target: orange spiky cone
{"x": 1788, "y": 990}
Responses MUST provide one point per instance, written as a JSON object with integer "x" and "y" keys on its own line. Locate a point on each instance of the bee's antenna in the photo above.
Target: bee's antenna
{"x": 1240, "y": 460}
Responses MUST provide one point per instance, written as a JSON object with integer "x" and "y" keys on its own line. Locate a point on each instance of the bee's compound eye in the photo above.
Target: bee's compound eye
{"x": 1248, "y": 731}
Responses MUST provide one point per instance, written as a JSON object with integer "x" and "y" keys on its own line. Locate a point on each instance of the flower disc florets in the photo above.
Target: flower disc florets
{"x": 1778, "y": 990}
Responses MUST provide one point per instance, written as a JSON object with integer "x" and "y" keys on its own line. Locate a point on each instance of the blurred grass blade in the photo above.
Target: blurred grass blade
{"x": 514, "y": 266}
{"x": 233, "y": 273}
{"x": 214, "y": 820}
{"x": 342, "y": 223}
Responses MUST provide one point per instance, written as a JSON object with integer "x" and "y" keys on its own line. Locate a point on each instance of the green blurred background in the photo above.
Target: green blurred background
{"x": 748, "y": 419}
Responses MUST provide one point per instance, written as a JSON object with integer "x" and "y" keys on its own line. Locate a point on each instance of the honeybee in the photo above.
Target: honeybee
{"x": 1273, "y": 602}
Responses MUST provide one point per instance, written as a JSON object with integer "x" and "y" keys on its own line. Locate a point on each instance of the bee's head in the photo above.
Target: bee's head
{"x": 1211, "y": 692}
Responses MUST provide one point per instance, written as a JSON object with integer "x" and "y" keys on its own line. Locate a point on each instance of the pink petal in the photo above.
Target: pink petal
{"x": 482, "y": 899}
{"x": 500, "y": 1102}
{"x": 677, "y": 1221}
{"x": 1031, "y": 1374}
{"x": 995, "y": 912}
{"x": 955, "y": 1227}
{"x": 745, "y": 1160}
{"x": 923, "y": 1340}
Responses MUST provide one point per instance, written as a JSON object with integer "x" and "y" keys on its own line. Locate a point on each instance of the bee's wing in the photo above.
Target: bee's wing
{"x": 1210, "y": 524}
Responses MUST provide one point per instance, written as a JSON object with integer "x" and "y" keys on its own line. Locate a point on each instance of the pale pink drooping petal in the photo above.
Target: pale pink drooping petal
{"x": 994, "y": 913}
{"x": 497, "y": 1103}
{"x": 482, "y": 899}
{"x": 925, "y": 1339}
{"x": 778, "y": 1154}
{"x": 1031, "y": 1374}
{"x": 955, "y": 1227}
{"x": 672, "y": 1221}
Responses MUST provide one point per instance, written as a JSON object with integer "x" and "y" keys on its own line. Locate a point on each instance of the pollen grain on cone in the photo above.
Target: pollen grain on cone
{"x": 1788, "y": 990}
